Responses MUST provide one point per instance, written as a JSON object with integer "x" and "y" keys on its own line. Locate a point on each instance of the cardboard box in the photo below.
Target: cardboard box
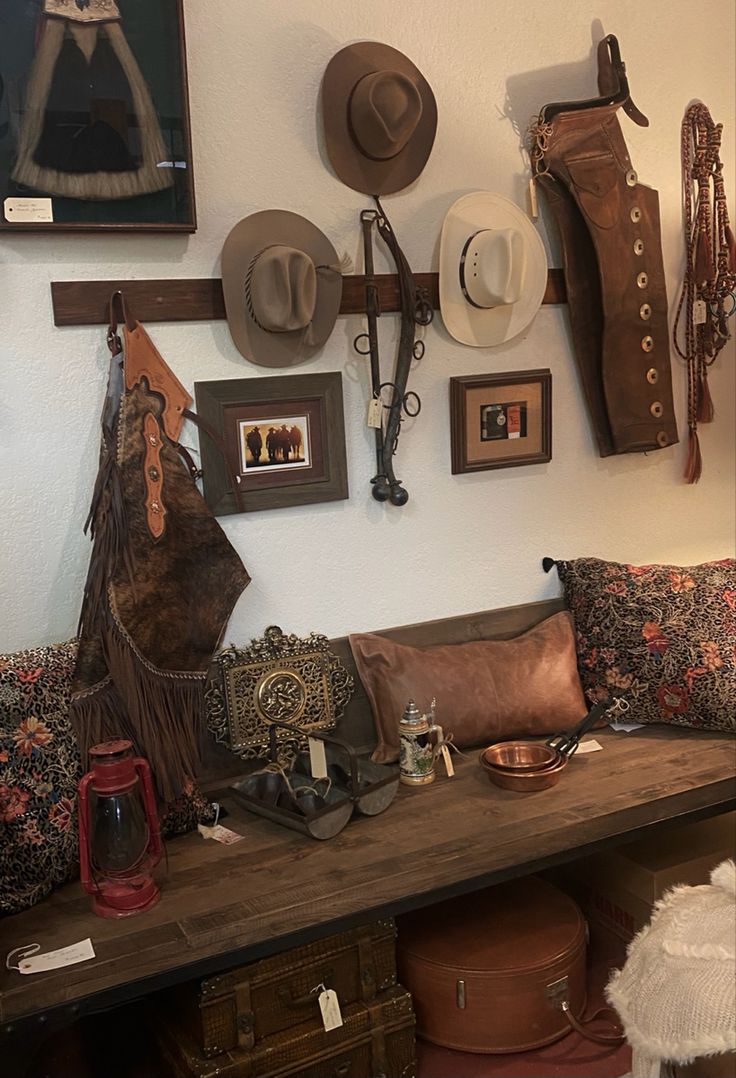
{"x": 618, "y": 889}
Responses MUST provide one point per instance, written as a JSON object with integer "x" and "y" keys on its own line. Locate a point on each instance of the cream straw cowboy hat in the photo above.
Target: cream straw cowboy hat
{"x": 282, "y": 283}
{"x": 380, "y": 117}
{"x": 493, "y": 270}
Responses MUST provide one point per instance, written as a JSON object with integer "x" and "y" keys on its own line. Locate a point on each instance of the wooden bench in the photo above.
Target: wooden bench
{"x": 224, "y": 905}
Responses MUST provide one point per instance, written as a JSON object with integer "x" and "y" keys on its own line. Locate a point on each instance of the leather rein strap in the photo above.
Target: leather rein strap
{"x": 709, "y": 282}
{"x": 415, "y": 310}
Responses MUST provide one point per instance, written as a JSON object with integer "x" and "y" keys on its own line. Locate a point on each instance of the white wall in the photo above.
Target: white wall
{"x": 462, "y": 543}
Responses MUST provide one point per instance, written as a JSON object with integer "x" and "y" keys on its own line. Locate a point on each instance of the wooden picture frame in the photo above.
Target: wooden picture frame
{"x": 94, "y": 117}
{"x": 282, "y": 441}
{"x": 500, "y": 420}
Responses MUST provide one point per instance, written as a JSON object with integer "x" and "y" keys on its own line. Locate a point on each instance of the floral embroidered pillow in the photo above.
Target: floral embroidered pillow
{"x": 39, "y": 772}
{"x": 665, "y": 634}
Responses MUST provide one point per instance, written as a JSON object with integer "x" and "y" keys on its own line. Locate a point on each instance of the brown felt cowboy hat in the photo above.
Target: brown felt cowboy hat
{"x": 380, "y": 117}
{"x": 282, "y": 283}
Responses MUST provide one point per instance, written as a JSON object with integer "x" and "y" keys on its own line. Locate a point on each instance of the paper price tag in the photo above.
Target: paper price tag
{"x": 375, "y": 412}
{"x": 533, "y": 206}
{"x": 28, "y": 210}
{"x": 220, "y": 834}
{"x": 590, "y": 746}
{"x": 67, "y": 956}
{"x": 700, "y": 312}
{"x": 330, "y": 1008}
{"x": 317, "y": 758}
{"x": 447, "y": 758}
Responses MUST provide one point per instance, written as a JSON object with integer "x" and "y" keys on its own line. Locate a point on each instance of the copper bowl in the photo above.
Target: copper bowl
{"x": 520, "y": 756}
{"x": 523, "y": 781}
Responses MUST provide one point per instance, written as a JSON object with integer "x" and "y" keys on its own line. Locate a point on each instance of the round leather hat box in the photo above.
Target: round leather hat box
{"x": 487, "y": 971}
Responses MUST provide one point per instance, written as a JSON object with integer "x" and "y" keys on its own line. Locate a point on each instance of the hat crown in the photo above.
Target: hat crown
{"x": 494, "y": 267}
{"x": 385, "y": 110}
{"x": 282, "y": 289}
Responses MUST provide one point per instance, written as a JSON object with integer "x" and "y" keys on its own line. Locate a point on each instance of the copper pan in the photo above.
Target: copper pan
{"x": 523, "y": 781}
{"x": 521, "y": 756}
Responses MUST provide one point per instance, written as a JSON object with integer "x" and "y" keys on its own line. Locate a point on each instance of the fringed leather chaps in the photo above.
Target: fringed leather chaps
{"x": 162, "y": 582}
{"x": 610, "y": 232}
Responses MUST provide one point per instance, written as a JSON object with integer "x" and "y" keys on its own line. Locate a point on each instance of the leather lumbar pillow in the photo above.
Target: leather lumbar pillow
{"x": 665, "y": 635}
{"x": 485, "y": 689}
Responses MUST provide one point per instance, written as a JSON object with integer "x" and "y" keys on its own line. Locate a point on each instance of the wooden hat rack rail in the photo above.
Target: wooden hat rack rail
{"x": 86, "y": 303}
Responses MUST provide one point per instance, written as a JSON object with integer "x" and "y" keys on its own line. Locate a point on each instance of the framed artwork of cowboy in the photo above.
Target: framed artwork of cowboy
{"x": 94, "y": 116}
{"x": 500, "y": 420}
{"x": 278, "y": 441}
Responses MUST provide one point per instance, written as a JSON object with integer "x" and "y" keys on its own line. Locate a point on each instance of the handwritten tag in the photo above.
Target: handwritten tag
{"x": 533, "y": 206}
{"x": 220, "y": 834}
{"x": 700, "y": 312}
{"x": 330, "y": 1008}
{"x": 28, "y": 210}
{"x": 375, "y": 411}
{"x": 447, "y": 758}
{"x": 67, "y": 956}
{"x": 590, "y": 746}
{"x": 317, "y": 758}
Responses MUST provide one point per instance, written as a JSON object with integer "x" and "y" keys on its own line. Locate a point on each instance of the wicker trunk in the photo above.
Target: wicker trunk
{"x": 238, "y": 1009}
{"x": 376, "y": 1040}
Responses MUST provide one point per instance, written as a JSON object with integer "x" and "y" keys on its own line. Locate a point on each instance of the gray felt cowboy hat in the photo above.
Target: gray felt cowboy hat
{"x": 380, "y": 117}
{"x": 282, "y": 284}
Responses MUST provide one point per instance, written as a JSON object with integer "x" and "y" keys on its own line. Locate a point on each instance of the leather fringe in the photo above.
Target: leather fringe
{"x": 705, "y": 411}
{"x": 164, "y": 712}
{"x": 98, "y": 715}
{"x": 694, "y": 466}
{"x": 108, "y": 528}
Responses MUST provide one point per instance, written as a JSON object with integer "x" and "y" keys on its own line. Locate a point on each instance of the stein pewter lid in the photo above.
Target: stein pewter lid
{"x": 412, "y": 715}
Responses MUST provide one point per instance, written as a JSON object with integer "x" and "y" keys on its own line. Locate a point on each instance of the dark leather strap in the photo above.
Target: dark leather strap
{"x": 616, "y": 1036}
{"x": 612, "y": 78}
{"x": 117, "y": 301}
{"x": 217, "y": 440}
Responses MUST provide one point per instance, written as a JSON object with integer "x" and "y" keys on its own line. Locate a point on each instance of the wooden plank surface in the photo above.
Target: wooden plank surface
{"x": 221, "y": 905}
{"x": 85, "y": 303}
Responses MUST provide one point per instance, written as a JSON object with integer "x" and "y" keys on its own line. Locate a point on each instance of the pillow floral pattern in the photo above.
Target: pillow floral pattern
{"x": 665, "y": 634}
{"x": 39, "y": 772}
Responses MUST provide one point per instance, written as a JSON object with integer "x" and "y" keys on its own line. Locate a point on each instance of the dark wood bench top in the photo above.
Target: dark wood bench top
{"x": 224, "y": 905}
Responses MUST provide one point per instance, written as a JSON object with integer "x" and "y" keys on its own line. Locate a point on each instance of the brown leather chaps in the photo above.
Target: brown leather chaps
{"x": 162, "y": 580}
{"x": 611, "y": 246}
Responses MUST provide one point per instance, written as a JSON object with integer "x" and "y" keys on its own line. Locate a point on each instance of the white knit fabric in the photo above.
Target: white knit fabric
{"x": 676, "y": 994}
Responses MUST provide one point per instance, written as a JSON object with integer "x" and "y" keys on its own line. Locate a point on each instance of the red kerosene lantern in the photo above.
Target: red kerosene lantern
{"x": 119, "y": 835}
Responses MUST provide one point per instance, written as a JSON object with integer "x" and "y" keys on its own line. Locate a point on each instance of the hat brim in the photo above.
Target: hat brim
{"x": 352, "y": 166}
{"x": 472, "y": 325}
{"x": 246, "y": 240}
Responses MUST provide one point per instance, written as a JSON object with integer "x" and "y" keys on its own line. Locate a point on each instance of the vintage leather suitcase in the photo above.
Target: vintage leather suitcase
{"x": 376, "y": 1040}
{"x": 487, "y": 971}
{"x": 239, "y": 1008}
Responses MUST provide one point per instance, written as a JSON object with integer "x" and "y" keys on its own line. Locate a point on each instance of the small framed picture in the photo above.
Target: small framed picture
{"x": 500, "y": 420}
{"x": 280, "y": 441}
{"x": 94, "y": 117}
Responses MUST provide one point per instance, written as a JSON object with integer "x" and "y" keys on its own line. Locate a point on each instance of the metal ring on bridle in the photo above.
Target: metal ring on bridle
{"x": 362, "y": 351}
{"x": 394, "y": 393}
{"x": 411, "y": 393}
